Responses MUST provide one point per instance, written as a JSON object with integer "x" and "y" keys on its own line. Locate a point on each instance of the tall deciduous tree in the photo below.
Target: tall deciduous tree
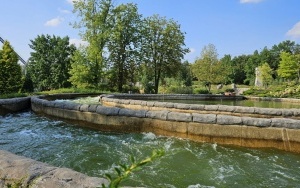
{"x": 266, "y": 74}
{"x": 162, "y": 48}
{"x": 289, "y": 66}
{"x": 49, "y": 63}
{"x": 124, "y": 44}
{"x": 208, "y": 68}
{"x": 10, "y": 70}
{"x": 96, "y": 26}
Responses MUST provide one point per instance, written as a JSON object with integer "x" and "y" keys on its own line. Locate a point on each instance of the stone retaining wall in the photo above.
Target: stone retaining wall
{"x": 14, "y": 105}
{"x": 276, "y": 131}
{"x": 34, "y": 174}
{"x": 131, "y": 102}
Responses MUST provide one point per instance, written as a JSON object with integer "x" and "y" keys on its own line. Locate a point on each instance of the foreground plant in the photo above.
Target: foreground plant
{"x": 123, "y": 171}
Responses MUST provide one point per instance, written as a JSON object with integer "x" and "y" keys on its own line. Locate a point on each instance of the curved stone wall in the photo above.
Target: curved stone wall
{"x": 243, "y": 126}
{"x": 14, "y": 105}
{"x": 34, "y": 174}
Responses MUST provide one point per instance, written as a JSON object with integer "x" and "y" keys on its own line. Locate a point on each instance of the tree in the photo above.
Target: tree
{"x": 162, "y": 48}
{"x": 208, "y": 68}
{"x": 266, "y": 74}
{"x": 10, "y": 70}
{"x": 289, "y": 66}
{"x": 80, "y": 70}
{"x": 124, "y": 44}
{"x": 96, "y": 26}
{"x": 49, "y": 63}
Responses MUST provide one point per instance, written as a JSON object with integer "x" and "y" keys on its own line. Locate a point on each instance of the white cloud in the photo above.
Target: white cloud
{"x": 250, "y": 1}
{"x": 295, "y": 31}
{"x": 54, "y": 22}
{"x": 64, "y": 11}
{"x": 78, "y": 42}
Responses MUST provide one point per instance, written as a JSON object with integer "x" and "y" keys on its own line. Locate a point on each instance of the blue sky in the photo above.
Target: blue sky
{"x": 235, "y": 27}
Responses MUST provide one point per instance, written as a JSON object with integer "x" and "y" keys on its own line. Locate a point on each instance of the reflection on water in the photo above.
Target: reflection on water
{"x": 186, "y": 163}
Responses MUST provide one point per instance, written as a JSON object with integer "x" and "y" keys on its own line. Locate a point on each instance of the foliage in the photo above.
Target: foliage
{"x": 201, "y": 91}
{"x": 10, "y": 70}
{"x": 13, "y": 95}
{"x": 208, "y": 68}
{"x": 49, "y": 63}
{"x": 124, "y": 171}
{"x": 27, "y": 86}
{"x": 124, "y": 45}
{"x": 96, "y": 26}
{"x": 289, "y": 66}
{"x": 266, "y": 74}
{"x": 179, "y": 90}
{"x": 81, "y": 70}
{"x": 162, "y": 49}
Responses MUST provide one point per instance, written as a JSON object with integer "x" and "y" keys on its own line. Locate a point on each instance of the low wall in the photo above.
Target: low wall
{"x": 280, "y": 130}
{"x": 30, "y": 173}
{"x": 14, "y": 105}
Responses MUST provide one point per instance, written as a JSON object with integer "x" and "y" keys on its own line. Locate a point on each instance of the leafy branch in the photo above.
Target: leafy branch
{"x": 123, "y": 171}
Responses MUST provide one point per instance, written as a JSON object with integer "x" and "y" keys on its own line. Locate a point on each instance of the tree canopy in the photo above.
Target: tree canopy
{"x": 10, "y": 70}
{"x": 49, "y": 63}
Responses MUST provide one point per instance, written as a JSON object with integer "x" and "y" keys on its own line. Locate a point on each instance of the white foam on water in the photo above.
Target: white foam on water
{"x": 214, "y": 146}
{"x": 149, "y": 136}
{"x": 27, "y": 133}
{"x": 284, "y": 175}
{"x": 252, "y": 156}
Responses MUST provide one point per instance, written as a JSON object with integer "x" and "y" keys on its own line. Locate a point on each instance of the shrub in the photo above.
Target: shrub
{"x": 201, "y": 91}
{"x": 180, "y": 90}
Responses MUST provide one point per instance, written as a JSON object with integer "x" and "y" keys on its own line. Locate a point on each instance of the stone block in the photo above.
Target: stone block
{"x": 228, "y": 120}
{"x": 268, "y": 111}
{"x": 177, "y": 116}
{"x": 197, "y": 107}
{"x": 205, "y": 118}
{"x": 132, "y": 113}
{"x": 182, "y": 106}
{"x": 244, "y": 110}
{"x": 109, "y": 111}
{"x": 170, "y": 105}
{"x": 84, "y": 108}
{"x": 287, "y": 112}
{"x": 211, "y": 107}
{"x": 72, "y": 106}
{"x": 93, "y": 107}
{"x": 257, "y": 122}
{"x": 160, "y": 104}
{"x": 162, "y": 115}
{"x": 285, "y": 123}
{"x": 226, "y": 108}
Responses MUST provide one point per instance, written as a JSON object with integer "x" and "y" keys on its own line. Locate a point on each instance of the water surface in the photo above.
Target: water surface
{"x": 186, "y": 163}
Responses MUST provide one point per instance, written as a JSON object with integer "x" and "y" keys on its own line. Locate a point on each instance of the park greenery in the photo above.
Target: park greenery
{"x": 126, "y": 52}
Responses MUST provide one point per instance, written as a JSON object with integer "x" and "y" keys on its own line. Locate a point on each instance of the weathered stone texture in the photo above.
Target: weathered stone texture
{"x": 35, "y": 174}
{"x": 176, "y": 116}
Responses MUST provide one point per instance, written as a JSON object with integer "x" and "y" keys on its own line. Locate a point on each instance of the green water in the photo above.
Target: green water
{"x": 186, "y": 163}
{"x": 248, "y": 103}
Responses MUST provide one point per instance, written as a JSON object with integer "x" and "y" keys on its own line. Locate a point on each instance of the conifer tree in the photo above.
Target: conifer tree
{"x": 10, "y": 70}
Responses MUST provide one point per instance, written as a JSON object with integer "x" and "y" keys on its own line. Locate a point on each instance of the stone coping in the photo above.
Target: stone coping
{"x": 14, "y": 105}
{"x": 34, "y": 174}
{"x": 169, "y": 115}
{"x": 131, "y": 102}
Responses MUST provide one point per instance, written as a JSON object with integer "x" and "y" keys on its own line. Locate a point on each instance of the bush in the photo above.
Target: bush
{"x": 132, "y": 89}
{"x": 180, "y": 90}
{"x": 201, "y": 91}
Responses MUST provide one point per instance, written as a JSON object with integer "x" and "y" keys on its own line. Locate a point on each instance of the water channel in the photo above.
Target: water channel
{"x": 186, "y": 163}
